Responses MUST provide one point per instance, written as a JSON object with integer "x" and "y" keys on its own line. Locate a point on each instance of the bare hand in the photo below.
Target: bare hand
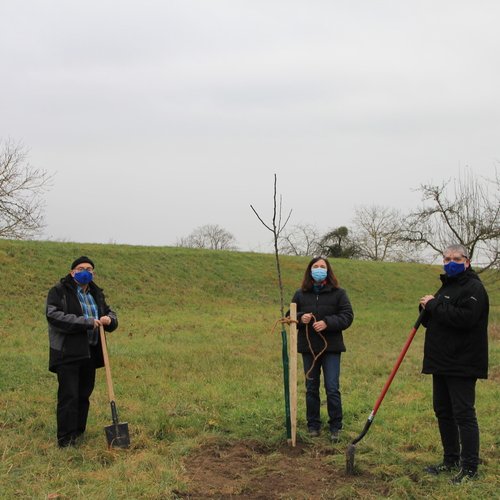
{"x": 319, "y": 326}
{"x": 102, "y": 321}
{"x": 105, "y": 320}
{"x": 425, "y": 299}
{"x": 306, "y": 318}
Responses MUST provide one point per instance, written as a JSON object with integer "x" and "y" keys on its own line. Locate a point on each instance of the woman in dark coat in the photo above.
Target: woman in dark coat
{"x": 323, "y": 312}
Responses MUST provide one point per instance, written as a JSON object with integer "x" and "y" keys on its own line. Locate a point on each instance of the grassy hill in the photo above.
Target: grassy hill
{"x": 194, "y": 363}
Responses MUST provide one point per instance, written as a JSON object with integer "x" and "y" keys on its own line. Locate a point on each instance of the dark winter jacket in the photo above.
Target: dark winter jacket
{"x": 456, "y": 340}
{"x": 68, "y": 326}
{"x": 330, "y": 305}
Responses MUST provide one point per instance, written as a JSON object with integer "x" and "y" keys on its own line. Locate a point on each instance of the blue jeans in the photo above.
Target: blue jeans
{"x": 329, "y": 362}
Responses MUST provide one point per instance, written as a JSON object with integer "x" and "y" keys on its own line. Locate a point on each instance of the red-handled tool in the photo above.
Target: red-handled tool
{"x": 351, "y": 449}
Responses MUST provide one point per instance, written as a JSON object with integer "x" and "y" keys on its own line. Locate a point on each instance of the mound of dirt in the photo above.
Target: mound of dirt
{"x": 247, "y": 469}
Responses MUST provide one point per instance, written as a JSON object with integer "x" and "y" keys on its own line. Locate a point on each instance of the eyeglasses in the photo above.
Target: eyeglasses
{"x": 454, "y": 259}
{"x": 80, "y": 269}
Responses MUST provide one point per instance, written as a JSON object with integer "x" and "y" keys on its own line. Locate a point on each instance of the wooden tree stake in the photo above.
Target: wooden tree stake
{"x": 293, "y": 372}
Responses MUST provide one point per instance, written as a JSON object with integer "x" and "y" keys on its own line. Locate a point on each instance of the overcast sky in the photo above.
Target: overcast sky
{"x": 158, "y": 116}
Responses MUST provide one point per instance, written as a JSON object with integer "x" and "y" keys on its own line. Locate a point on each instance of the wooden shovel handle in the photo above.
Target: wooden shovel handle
{"x": 106, "y": 364}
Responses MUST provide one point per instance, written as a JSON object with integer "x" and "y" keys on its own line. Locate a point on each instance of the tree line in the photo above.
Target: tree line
{"x": 463, "y": 210}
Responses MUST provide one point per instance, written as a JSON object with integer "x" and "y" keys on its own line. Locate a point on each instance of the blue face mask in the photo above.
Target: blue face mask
{"x": 454, "y": 268}
{"x": 83, "y": 277}
{"x": 318, "y": 274}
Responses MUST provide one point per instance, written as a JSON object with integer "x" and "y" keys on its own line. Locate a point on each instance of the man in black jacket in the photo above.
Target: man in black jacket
{"x": 456, "y": 354}
{"x": 76, "y": 309}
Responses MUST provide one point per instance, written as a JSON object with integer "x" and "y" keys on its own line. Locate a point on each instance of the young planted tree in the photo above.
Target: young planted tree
{"x": 21, "y": 187}
{"x": 276, "y": 227}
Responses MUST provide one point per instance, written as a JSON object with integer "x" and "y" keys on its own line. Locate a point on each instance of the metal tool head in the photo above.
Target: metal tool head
{"x": 349, "y": 462}
{"x": 117, "y": 435}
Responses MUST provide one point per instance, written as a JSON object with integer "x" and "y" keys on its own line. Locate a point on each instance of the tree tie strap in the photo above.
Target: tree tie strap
{"x": 283, "y": 321}
{"x": 287, "y": 321}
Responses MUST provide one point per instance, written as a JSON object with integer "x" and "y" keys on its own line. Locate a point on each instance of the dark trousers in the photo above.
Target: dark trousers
{"x": 453, "y": 399}
{"x": 329, "y": 362}
{"x": 76, "y": 383}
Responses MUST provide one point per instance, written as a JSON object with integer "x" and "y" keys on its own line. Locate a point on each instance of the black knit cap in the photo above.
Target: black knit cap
{"x": 82, "y": 260}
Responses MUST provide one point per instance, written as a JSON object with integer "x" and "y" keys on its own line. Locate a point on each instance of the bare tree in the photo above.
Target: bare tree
{"x": 378, "y": 232}
{"x": 276, "y": 227}
{"x": 465, "y": 210}
{"x": 21, "y": 187}
{"x": 210, "y": 236}
{"x": 301, "y": 239}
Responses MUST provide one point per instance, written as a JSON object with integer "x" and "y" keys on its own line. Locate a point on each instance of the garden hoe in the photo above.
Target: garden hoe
{"x": 116, "y": 434}
{"x": 351, "y": 449}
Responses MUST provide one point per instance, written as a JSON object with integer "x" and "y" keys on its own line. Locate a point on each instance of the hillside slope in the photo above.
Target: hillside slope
{"x": 193, "y": 361}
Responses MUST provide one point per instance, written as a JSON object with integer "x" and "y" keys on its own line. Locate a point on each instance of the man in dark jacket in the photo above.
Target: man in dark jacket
{"x": 76, "y": 309}
{"x": 456, "y": 354}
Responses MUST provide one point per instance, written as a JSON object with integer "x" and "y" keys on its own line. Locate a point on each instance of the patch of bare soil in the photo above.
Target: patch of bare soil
{"x": 247, "y": 469}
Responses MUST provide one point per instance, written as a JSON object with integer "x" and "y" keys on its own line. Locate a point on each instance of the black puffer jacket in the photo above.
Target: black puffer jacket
{"x": 456, "y": 340}
{"x": 330, "y": 305}
{"x": 68, "y": 326}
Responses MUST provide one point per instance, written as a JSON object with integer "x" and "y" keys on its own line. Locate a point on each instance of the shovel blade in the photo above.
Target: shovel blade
{"x": 117, "y": 435}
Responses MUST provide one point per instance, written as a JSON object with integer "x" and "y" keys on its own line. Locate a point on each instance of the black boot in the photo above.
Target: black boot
{"x": 464, "y": 475}
{"x": 442, "y": 467}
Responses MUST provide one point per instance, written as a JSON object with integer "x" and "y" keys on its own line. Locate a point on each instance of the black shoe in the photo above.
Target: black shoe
{"x": 66, "y": 443}
{"x": 69, "y": 441}
{"x": 442, "y": 467}
{"x": 313, "y": 432}
{"x": 335, "y": 436}
{"x": 464, "y": 475}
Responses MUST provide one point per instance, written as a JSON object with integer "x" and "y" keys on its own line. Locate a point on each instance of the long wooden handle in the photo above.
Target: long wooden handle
{"x": 106, "y": 364}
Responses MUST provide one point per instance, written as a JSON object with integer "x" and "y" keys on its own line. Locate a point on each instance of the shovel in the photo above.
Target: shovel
{"x": 351, "y": 449}
{"x": 116, "y": 434}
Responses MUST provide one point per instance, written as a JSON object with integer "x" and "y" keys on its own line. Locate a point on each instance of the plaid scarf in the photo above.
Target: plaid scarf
{"x": 89, "y": 309}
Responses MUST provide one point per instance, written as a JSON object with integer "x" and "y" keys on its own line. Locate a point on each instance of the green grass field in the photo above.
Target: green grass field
{"x": 194, "y": 362}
